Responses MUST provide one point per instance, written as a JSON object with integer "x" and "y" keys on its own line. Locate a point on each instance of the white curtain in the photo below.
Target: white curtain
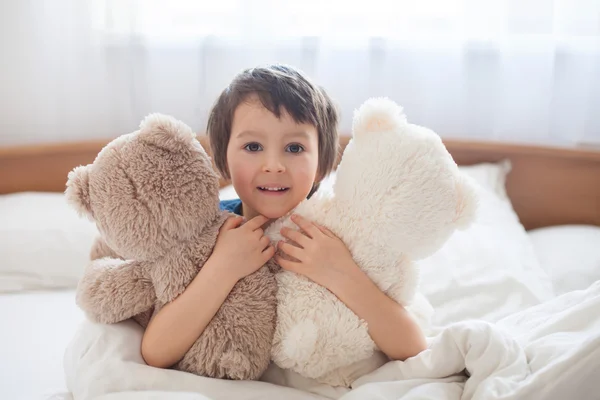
{"x": 513, "y": 70}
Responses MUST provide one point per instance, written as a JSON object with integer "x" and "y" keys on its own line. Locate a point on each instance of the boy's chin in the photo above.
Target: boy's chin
{"x": 274, "y": 212}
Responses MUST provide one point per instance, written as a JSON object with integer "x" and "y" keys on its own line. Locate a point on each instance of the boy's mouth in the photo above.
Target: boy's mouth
{"x": 273, "y": 189}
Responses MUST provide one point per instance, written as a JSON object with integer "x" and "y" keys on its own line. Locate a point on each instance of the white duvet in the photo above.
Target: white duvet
{"x": 549, "y": 351}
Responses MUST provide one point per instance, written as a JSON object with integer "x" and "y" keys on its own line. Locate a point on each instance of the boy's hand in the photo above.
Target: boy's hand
{"x": 242, "y": 250}
{"x": 319, "y": 254}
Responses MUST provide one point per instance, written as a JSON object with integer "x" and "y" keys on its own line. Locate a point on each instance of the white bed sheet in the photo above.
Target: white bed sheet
{"x": 36, "y": 328}
{"x": 551, "y": 351}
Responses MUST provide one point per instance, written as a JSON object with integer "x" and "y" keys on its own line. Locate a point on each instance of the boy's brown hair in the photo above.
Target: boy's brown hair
{"x": 277, "y": 86}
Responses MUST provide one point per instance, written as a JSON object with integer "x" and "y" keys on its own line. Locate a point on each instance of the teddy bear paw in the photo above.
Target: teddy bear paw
{"x": 236, "y": 365}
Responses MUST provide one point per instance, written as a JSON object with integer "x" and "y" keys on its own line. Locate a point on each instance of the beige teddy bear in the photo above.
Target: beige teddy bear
{"x": 153, "y": 195}
{"x": 397, "y": 197}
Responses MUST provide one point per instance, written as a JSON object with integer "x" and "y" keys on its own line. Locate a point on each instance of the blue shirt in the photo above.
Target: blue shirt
{"x": 234, "y": 206}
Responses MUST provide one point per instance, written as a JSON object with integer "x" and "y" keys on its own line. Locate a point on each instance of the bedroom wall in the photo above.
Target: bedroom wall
{"x": 75, "y": 70}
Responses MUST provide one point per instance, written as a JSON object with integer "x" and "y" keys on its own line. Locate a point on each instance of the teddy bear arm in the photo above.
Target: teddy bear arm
{"x": 100, "y": 250}
{"x": 170, "y": 277}
{"x": 113, "y": 290}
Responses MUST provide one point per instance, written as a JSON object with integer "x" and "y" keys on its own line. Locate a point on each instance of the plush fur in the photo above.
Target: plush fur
{"x": 153, "y": 195}
{"x": 397, "y": 197}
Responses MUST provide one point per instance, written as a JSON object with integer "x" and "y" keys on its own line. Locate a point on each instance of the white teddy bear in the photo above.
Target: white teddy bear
{"x": 397, "y": 197}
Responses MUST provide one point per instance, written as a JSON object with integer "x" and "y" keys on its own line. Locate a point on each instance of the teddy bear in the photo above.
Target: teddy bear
{"x": 397, "y": 197}
{"x": 154, "y": 197}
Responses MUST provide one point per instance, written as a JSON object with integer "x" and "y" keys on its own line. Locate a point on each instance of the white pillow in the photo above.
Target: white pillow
{"x": 490, "y": 175}
{"x": 44, "y": 244}
{"x": 489, "y": 270}
{"x": 570, "y": 254}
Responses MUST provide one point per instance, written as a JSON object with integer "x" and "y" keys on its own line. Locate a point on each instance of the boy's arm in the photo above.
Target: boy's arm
{"x": 175, "y": 328}
{"x": 390, "y": 325}
{"x": 239, "y": 251}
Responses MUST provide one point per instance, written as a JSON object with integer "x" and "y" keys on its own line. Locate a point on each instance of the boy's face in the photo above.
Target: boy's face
{"x": 272, "y": 162}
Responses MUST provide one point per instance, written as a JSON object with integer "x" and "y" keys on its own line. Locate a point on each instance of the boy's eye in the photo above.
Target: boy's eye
{"x": 295, "y": 148}
{"x": 252, "y": 147}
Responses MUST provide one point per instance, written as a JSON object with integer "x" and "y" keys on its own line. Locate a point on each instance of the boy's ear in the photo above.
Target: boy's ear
{"x": 78, "y": 191}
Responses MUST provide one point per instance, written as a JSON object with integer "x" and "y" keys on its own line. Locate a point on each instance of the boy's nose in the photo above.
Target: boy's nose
{"x": 273, "y": 164}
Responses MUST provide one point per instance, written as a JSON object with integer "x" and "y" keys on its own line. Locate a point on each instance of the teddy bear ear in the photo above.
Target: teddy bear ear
{"x": 166, "y": 132}
{"x": 78, "y": 190}
{"x": 468, "y": 202}
{"x": 378, "y": 114}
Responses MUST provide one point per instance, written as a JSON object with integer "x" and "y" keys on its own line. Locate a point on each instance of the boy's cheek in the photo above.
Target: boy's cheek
{"x": 305, "y": 167}
{"x": 241, "y": 178}
{"x": 307, "y": 176}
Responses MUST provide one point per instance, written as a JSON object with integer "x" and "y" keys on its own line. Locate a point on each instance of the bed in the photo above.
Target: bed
{"x": 530, "y": 266}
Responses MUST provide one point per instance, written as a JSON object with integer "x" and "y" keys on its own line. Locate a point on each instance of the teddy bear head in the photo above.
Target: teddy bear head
{"x": 401, "y": 178}
{"x": 147, "y": 191}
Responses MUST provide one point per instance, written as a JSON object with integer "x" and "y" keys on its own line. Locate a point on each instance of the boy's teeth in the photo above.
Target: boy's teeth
{"x": 272, "y": 189}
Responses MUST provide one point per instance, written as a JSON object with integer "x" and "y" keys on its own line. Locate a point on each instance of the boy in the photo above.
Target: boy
{"x": 274, "y": 134}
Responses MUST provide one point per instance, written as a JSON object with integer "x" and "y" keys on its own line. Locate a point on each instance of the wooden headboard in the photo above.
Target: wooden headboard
{"x": 547, "y": 185}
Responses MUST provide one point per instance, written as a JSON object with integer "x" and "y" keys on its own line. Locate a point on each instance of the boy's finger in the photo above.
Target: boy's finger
{"x": 286, "y": 264}
{"x": 268, "y": 253}
{"x": 256, "y": 222}
{"x": 326, "y": 231}
{"x": 295, "y": 236}
{"x": 308, "y": 227}
{"x": 231, "y": 223}
{"x": 264, "y": 242}
{"x": 290, "y": 250}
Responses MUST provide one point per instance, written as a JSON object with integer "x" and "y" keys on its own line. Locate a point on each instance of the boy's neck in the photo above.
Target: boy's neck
{"x": 249, "y": 213}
